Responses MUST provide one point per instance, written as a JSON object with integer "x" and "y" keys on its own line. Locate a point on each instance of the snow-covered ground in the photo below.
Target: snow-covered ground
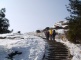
{"x": 75, "y": 49}
{"x": 32, "y": 47}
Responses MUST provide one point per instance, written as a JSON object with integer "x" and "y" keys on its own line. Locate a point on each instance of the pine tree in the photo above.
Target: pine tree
{"x": 4, "y": 22}
{"x": 74, "y": 24}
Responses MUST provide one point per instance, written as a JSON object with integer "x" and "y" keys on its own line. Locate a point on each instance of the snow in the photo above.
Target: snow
{"x": 64, "y": 26}
{"x": 32, "y": 47}
{"x": 75, "y": 49}
{"x": 60, "y": 31}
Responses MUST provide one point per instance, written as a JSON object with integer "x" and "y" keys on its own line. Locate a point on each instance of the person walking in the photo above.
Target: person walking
{"x": 53, "y": 35}
{"x": 47, "y": 34}
{"x": 50, "y": 33}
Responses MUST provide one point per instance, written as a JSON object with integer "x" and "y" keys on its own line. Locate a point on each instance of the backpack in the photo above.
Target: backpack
{"x": 50, "y": 31}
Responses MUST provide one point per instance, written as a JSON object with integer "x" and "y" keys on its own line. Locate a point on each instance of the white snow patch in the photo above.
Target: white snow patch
{"x": 32, "y": 47}
{"x": 75, "y": 49}
{"x": 61, "y": 31}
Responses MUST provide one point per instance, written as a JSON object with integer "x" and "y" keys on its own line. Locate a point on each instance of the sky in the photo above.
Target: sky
{"x": 32, "y": 15}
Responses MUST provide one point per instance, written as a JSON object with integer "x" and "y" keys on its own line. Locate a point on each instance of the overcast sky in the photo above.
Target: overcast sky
{"x": 30, "y": 15}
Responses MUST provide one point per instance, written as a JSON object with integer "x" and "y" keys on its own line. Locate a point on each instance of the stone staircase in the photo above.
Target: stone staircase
{"x": 56, "y": 51}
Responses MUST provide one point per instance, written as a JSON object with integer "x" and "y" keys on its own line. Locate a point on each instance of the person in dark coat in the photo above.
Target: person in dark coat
{"x": 53, "y": 35}
{"x": 47, "y": 34}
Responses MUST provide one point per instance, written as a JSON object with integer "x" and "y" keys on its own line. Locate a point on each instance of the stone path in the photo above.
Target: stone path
{"x": 55, "y": 51}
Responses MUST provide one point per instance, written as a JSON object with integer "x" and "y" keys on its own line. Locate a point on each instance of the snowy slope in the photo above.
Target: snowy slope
{"x": 32, "y": 47}
{"x": 75, "y": 49}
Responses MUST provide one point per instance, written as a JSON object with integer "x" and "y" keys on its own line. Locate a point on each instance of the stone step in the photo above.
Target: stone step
{"x": 56, "y": 51}
{"x": 55, "y": 59}
{"x": 58, "y": 57}
{"x": 58, "y": 54}
{"x": 57, "y": 46}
